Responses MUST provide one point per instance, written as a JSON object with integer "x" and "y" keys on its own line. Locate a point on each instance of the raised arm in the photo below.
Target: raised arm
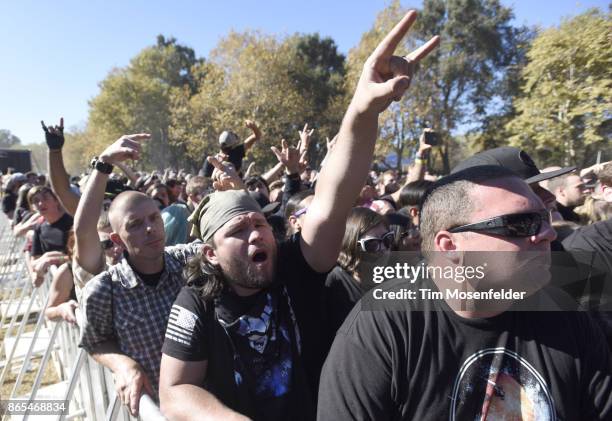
{"x": 250, "y": 141}
{"x": 87, "y": 249}
{"x": 417, "y": 171}
{"x": 129, "y": 173}
{"x": 273, "y": 173}
{"x": 384, "y": 79}
{"x": 60, "y": 180}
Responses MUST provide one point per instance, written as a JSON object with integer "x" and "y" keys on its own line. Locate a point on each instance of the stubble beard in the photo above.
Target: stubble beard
{"x": 246, "y": 275}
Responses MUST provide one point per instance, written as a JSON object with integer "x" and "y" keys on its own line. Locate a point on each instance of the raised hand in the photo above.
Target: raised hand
{"x": 224, "y": 176}
{"x": 386, "y": 77}
{"x": 54, "y": 135}
{"x": 249, "y": 170}
{"x": 253, "y": 126}
{"x": 305, "y": 135}
{"x": 124, "y": 148}
{"x": 331, "y": 143}
{"x": 423, "y": 146}
{"x": 289, "y": 157}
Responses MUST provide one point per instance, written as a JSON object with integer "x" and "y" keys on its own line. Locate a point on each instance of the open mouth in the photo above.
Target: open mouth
{"x": 259, "y": 257}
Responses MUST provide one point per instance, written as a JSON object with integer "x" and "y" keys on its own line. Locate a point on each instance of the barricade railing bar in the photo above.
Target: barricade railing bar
{"x": 88, "y": 386}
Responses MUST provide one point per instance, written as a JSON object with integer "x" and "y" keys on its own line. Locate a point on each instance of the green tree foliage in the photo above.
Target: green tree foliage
{"x": 138, "y": 98}
{"x": 279, "y": 83}
{"x": 564, "y": 114}
{"x": 461, "y": 84}
{"x": 8, "y": 139}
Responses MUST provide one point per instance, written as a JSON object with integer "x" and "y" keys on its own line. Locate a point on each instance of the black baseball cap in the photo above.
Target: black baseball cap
{"x": 514, "y": 159}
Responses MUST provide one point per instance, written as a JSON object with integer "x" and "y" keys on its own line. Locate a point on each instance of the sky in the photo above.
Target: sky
{"x": 54, "y": 53}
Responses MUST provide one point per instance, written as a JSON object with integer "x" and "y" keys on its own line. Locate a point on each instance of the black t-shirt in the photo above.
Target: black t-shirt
{"x": 235, "y": 156}
{"x": 341, "y": 294}
{"x": 149, "y": 279}
{"x": 51, "y": 237}
{"x": 408, "y": 364}
{"x": 568, "y": 213}
{"x": 252, "y": 343}
{"x": 596, "y": 238}
{"x": 9, "y": 201}
{"x": 591, "y": 246}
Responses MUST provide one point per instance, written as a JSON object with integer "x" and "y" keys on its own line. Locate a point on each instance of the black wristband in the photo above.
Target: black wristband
{"x": 293, "y": 176}
{"x": 100, "y": 166}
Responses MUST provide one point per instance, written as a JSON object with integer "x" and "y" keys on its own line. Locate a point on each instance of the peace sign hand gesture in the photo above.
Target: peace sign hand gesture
{"x": 386, "y": 77}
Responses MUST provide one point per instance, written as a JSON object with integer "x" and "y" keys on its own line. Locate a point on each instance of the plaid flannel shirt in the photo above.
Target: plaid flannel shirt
{"x": 120, "y": 307}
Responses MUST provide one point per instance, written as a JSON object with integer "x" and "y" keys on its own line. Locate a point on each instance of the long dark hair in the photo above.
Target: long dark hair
{"x": 360, "y": 221}
{"x": 204, "y": 276}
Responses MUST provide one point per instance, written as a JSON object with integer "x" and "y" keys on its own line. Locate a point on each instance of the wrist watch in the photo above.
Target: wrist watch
{"x": 103, "y": 167}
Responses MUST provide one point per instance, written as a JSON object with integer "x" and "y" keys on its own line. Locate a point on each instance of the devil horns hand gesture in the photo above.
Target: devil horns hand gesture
{"x": 386, "y": 77}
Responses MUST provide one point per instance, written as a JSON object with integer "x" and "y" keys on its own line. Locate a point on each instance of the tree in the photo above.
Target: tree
{"x": 279, "y": 83}
{"x": 563, "y": 112}
{"x": 461, "y": 84}
{"x": 138, "y": 98}
{"x": 8, "y": 139}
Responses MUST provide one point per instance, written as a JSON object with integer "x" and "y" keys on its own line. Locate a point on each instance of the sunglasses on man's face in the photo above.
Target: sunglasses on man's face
{"x": 107, "y": 244}
{"x": 511, "y": 225}
{"x": 375, "y": 244}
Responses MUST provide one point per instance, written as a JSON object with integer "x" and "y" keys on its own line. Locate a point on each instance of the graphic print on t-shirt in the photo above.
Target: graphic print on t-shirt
{"x": 181, "y": 324}
{"x": 498, "y": 384}
{"x": 262, "y": 350}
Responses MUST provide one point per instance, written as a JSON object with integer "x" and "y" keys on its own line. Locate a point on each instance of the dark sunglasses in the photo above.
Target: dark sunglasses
{"x": 107, "y": 244}
{"x": 375, "y": 245}
{"x": 511, "y": 225}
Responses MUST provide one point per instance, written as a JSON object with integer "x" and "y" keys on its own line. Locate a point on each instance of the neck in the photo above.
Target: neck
{"x": 147, "y": 266}
{"x": 54, "y": 217}
{"x": 242, "y": 291}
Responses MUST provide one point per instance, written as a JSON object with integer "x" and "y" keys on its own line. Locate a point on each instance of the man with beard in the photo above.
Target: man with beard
{"x": 126, "y": 307}
{"x": 247, "y": 339}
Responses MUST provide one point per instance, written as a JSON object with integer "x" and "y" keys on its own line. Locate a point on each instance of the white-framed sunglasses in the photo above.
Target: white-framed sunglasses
{"x": 375, "y": 244}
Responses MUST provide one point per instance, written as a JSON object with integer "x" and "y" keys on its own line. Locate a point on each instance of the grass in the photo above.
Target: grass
{"x": 50, "y": 376}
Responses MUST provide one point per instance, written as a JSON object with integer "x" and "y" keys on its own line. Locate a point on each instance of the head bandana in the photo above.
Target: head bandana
{"x": 216, "y": 209}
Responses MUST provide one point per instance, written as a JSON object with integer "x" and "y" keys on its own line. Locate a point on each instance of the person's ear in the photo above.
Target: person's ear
{"x": 209, "y": 253}
{"x": 414, "y": 212}
{"x": 294, "y": 222}
{"x": 445, "y": 243}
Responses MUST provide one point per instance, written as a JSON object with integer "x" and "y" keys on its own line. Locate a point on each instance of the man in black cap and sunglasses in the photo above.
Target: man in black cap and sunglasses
{"x": 454, "y": 345}
{"x": 519, "y": 162}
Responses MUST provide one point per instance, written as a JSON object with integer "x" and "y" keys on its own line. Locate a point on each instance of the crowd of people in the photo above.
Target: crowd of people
{"x": 233, "y": 295}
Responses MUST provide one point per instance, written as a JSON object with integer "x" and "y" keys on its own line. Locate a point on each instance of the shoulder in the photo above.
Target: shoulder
{"x": 335, "y": 276}
{"x": 100, "y": 285}
{"x": 190, "y": 303}
{"x": 380, "y": 309}
{"x": 588, "y": 235}
{"x": 184, "y": 251}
